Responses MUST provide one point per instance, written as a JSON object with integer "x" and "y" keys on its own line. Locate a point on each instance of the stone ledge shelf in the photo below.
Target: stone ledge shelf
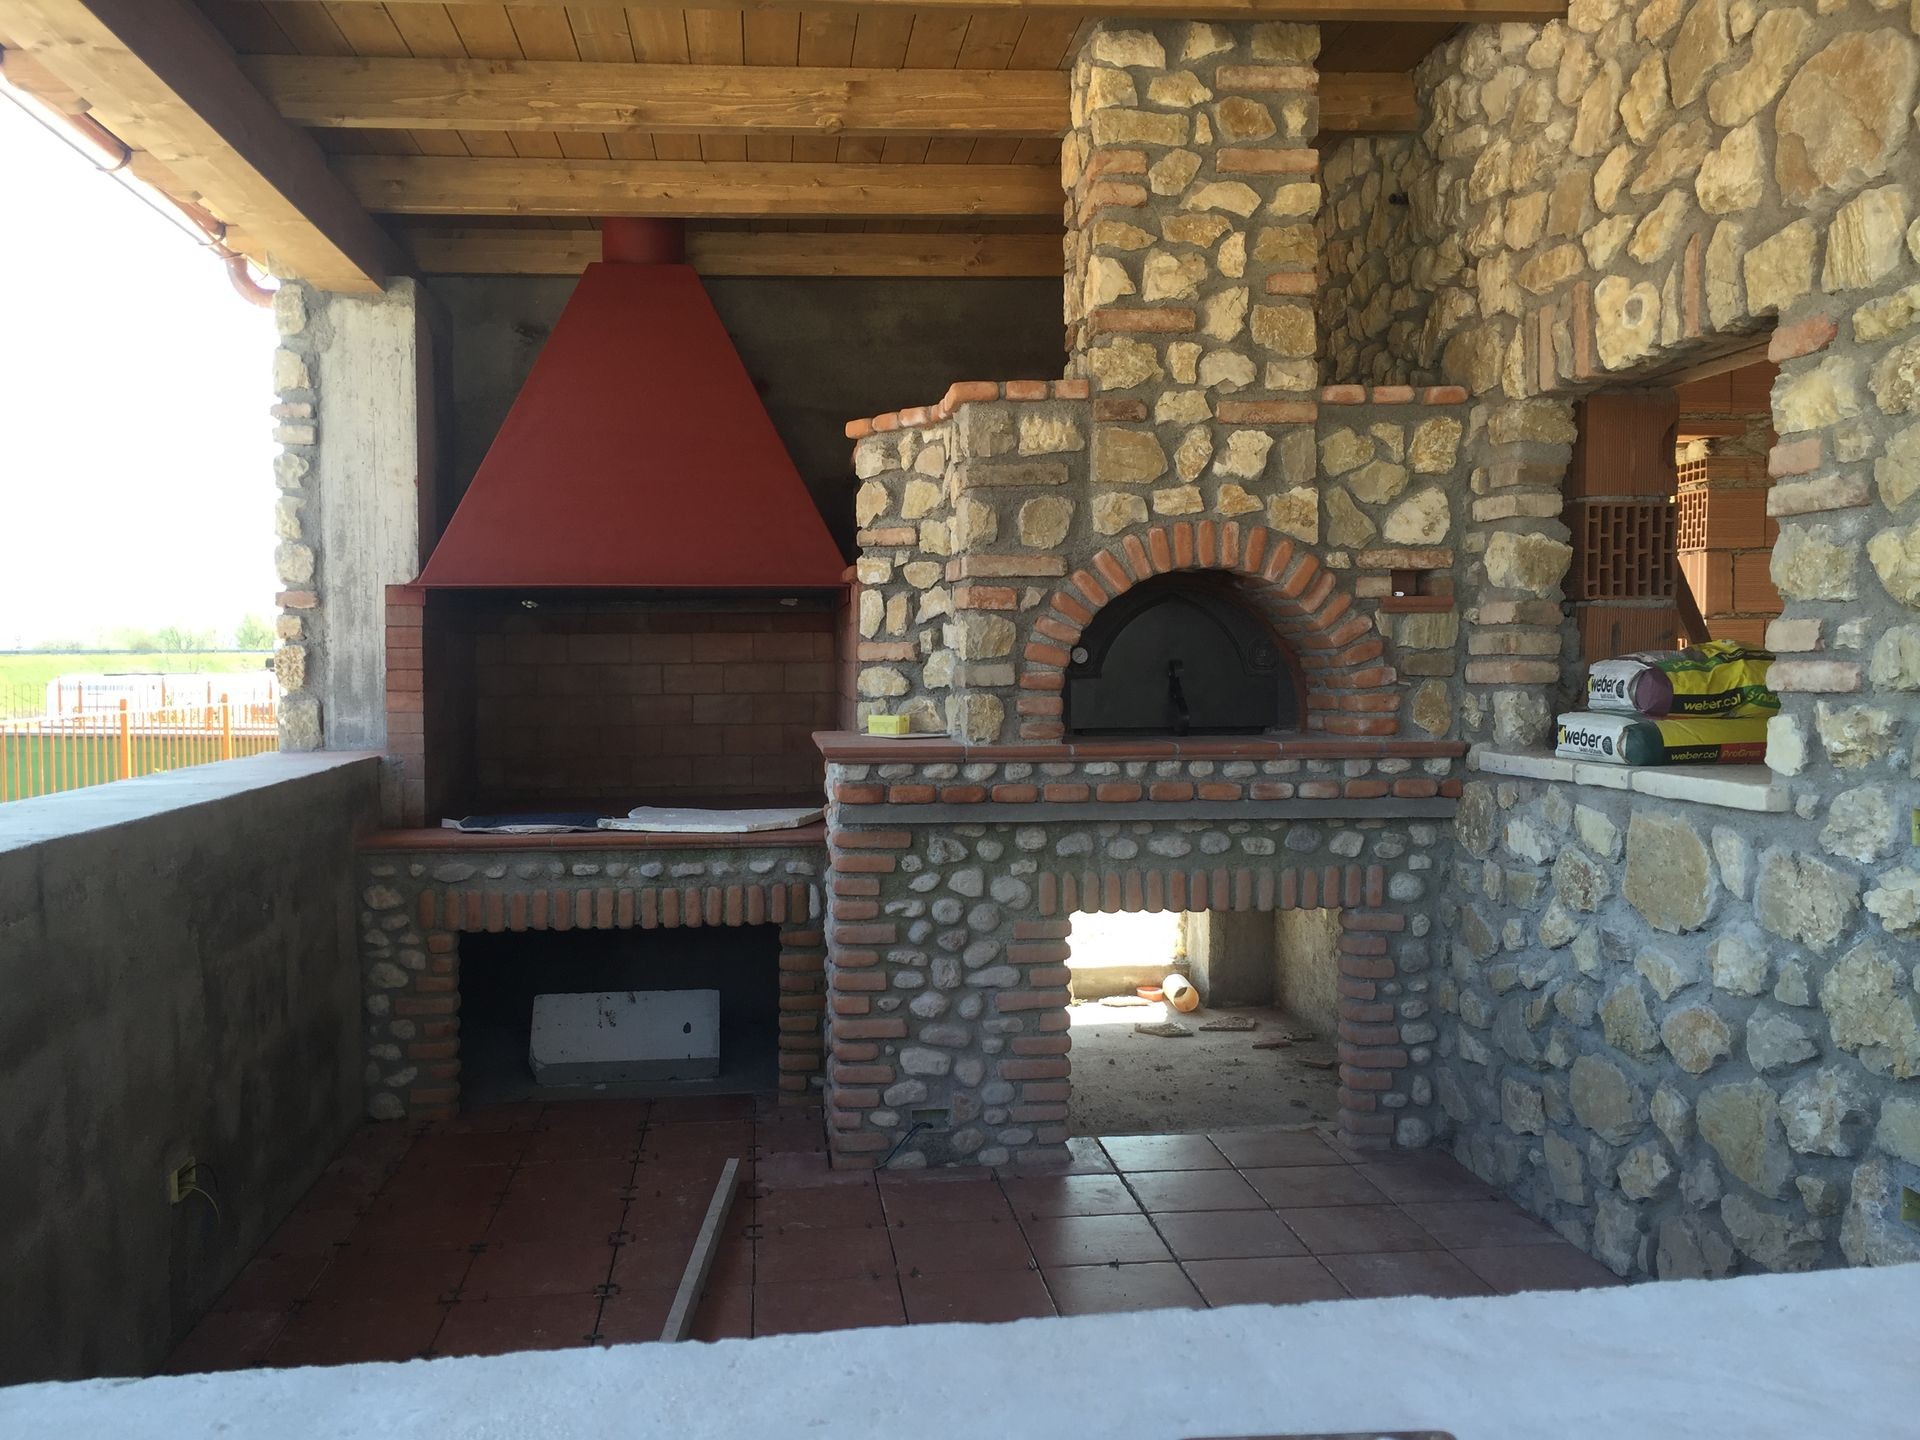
{"x": 850, "y": 747}
{"x": 1732, "y": 787}
{"x": 460, "y": 840}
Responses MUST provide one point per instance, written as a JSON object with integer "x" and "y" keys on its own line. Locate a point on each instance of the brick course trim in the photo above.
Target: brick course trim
{"x": 966, "y": 392}
{"x": 1346, "y": 688}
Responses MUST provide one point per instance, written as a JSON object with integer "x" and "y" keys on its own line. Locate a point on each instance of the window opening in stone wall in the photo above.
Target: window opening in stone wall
{"x": 1670, "y": 586}
{"x": 1257, "y": 1048}
{"x": 501, "y": 974}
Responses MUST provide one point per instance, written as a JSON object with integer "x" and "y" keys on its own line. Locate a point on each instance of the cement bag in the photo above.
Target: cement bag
{"x": 1636, "y": 740}
{"x": 1719, "y": 678}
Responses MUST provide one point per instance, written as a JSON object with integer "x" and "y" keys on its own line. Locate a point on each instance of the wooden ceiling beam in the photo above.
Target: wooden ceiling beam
{"x": 529, "y": 251}
{"x": 693, "y": 189}
{"x": 1312, "y": 11}
{"x": 532, "y": 95}
{"x": 535, "y": 95}
{"x": 159, "y": 76}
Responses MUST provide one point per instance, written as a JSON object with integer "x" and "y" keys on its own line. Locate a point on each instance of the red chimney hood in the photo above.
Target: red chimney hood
{"x": 637, "y": 455}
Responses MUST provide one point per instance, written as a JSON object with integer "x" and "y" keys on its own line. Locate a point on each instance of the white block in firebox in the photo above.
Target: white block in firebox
{"x": 623, "y": 1035}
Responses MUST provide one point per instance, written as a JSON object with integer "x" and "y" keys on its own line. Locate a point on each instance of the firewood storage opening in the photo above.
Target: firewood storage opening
{"x": 501, "y": 976}
{"x": 1181, "y": 654}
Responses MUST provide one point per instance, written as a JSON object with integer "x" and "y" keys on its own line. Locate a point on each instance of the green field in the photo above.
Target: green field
{"x": 44, "y": 764}
{"x": 24, "y": 674}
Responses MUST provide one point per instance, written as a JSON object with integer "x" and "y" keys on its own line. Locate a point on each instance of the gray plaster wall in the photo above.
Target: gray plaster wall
{"x": 177, "y": 957}
{"x": 359, "y": 475}
{"x": 821, "y": 351}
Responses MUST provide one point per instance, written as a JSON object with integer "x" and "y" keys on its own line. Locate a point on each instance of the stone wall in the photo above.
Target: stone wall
{"x": 949, "y": 915}
{"x": 1685, "y": 1035}
{"x": 416, "y": 901}
{"x": 994, "y": 525}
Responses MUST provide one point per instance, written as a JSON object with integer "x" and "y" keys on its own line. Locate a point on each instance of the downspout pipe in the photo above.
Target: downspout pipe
{"x": 113, "y": 156}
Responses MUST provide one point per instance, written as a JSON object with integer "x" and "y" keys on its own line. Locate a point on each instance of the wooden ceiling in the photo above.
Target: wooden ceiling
{"x": 487, "y": 136}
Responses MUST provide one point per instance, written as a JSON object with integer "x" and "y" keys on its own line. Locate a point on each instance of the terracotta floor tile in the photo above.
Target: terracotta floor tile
{"x": 227, "y": 1340}
{"x": 1084, "y": 1157}
{"x": 635, "y": 1316}
{"x": 1094, "y": 1240}
{"x": 339, "y": 1192}
{"x": 583, "y": 1219}
{"x": 968, "y": 1245}
{"x": 1350, "y": 1229}
{"x": 486, "y": 1147}
{"x": 424, "y": 1227}
{"x": 274, "y": 1282}
{"x": 1227, "y": 1235}
{"x": 1163, "y": 1152}
{"x": 698, "y": 1141}
{"x": 656, "y": 1257}
{"x": 582, "y": 1142}
{"x": 800, "y": 1306}
{"x": 934, "y": 1203}
{"x": 1290, "y": 1186}
{"x": 802, "y": 1170}
{"x": 702, "y": 1109}
{"x": 820, "y": 1207}
{"x": 443, "y": 1186}
{"x": 792, "y": 1255}
{"x": 391, "y": 1277}
{"x": 1461, "y": 1223}
{"x": 980, "y": 1299}
{"x": 516, "y": 1115}
{"x": 735, "y": 1261}
{"x": 1106, "y": 1289}
{"x": 537, "y": 1268}
{"x": 1047, "y": 1196}
{"x": 799, "y": 1134}
{"x": 595, "y": 1115}
{"x": 521, "y": 1322}
{"x": 357, "y": 1333}
{"x": 1276, "y": 1281}
{"x": 1511, "y": 1269}
{"x": 311, "y": 1232}
{"x": 568, "y": 1180}
{"x": 1428, "y": 1272}
{"x": 725, "y": 1313}
{"x": 1428, "y": 1175}
{"x": 1261, "y": 1149}
{"x": 1164, "y": 1190}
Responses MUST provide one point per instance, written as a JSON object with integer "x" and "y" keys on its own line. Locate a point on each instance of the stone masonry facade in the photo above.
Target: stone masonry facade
{"x": 1687, "y": 1036}
{"x": 418, "y": 899}
{"x": 952, "y": 887}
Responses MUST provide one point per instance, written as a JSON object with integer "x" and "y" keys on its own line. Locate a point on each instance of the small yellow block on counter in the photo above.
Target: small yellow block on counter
{"x": 886, "y": 724}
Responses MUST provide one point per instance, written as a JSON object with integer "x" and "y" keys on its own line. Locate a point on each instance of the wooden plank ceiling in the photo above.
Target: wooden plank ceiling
{"x": 490, "y": 135}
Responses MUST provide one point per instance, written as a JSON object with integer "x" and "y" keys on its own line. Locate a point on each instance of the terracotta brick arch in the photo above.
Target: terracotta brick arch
{"x": 1349, "y": 691}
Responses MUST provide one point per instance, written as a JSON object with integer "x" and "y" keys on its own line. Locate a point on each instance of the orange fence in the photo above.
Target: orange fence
{"x": 68, "y": 749}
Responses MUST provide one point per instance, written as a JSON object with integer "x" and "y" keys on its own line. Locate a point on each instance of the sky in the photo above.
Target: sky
{"x": 136, "y": 451}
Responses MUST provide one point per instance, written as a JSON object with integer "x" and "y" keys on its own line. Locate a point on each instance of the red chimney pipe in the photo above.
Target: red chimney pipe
{"x": 631, "y": 241}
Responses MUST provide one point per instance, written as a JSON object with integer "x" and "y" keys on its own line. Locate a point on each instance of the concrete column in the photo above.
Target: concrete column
{"x": 357, "y": 426}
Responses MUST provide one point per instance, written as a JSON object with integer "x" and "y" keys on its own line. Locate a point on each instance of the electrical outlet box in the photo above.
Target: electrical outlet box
{"x": 181, "y": 1179}
{"x": 1916, "y": 827}
{"x": 1910, "y": 1205}
{"x": 932, "y": 1118}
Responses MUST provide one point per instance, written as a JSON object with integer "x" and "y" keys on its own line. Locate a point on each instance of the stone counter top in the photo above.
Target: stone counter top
{"x": 461, "y": 841}
{"x": 846, "y": 747}
{"x": 1733, "y": 787}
